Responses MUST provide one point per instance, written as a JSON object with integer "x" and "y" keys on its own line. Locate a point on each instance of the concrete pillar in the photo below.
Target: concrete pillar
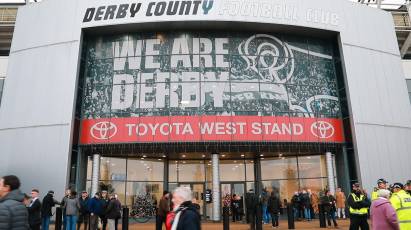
{"x": 95, "y": 176}
{"x": 215, "y": 165}
{"x": 330, "y": 171}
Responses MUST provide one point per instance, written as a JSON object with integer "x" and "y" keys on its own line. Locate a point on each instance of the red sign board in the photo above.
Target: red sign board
{"x": 211, "y": 128}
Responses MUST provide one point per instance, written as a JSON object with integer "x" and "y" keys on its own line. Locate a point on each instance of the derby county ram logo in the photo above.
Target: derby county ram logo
{"x": 273, "y": 61}
{"x": 267, "y": 55}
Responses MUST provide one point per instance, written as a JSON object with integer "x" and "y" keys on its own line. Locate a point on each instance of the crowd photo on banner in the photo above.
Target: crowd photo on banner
{"x": 387, "y": 207}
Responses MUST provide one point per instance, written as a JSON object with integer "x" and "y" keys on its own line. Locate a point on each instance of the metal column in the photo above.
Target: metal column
{"x": 95, "y": 176}
{"x": 215, "y": 164}
{"x": 330, "y": 171}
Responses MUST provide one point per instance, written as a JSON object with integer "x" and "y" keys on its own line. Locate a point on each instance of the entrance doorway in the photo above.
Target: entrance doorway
{"x": 198, "y": 194}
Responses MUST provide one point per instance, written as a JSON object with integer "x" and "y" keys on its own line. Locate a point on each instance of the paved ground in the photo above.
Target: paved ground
{"x": 343, "y": 224}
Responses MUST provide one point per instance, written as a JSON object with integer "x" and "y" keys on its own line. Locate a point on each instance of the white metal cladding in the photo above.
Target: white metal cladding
{"x": 36, "y": 116}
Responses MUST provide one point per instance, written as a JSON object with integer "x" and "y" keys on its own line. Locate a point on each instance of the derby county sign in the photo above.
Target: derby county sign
{"x": 152, "y": 9}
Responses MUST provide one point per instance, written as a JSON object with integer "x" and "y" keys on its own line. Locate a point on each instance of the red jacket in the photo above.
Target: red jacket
{"x": 383, "y": 216}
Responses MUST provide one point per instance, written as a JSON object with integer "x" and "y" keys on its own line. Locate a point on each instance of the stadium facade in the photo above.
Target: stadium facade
{"x": 223, "y": 96}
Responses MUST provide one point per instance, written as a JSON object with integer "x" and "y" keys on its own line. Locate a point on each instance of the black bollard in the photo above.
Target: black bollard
{"x": 226, "y": 218}
{"x": 290, "y": 216}
{"x": 59, "y": 216}
{"x": 259, "y": 219}
{"x": 322, "y": 216}
{"x": 124, "y": 225}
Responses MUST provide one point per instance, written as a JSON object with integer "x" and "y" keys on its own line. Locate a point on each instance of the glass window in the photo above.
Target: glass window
{"x": 152, "y": 189}
{"x": 172, "y": 171}
{"x": 112, "y": 168}
{"x": 232, "y": 170}
{"x": 189, "y": 171}
{"x": 285, "y": 188}
{"x": 312, "y": 166}
{"x": 315, "y": 185}
{"x": 145, "y": 170}
{"x": 117, "y": 187}
{"x": 409, "y": 85}
{"x": 279, "y": 168}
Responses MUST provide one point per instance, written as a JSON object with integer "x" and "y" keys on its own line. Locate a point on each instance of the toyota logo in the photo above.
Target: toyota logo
{"x": 103, "y": 130}
{"x": 322, "y": 129}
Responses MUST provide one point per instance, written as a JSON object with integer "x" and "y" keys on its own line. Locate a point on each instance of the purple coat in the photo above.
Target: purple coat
{"x": 383, "y": 216}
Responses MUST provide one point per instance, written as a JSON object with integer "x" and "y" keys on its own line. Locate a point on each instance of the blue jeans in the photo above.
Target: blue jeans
{"x": 64, "y": 222}
{"x": 307, "y": 213}
{"x": 71, "y": 222}
{"x": 266, "y": 215}
{"x": 45, "y": 222}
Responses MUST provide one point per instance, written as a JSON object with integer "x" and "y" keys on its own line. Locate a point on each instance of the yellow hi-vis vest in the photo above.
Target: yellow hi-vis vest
{"x": 362, "y": 211}
{"x": 374, "y": 195}
{"x": 401, "y": 201}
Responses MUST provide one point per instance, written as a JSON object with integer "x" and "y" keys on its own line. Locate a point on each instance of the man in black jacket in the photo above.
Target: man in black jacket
{"x": 84, "y": 212}
{"x": 274, "y": 207}
{"x": 251, "y": 203}
{"x": 359, "y": 204}
{"x": 48, "y": 203}
{"x": 34, "y": 210}
{"x": 13, "y": 213}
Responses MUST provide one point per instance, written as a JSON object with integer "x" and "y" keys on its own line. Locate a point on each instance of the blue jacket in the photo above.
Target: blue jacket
{"x": 95, "y": 206}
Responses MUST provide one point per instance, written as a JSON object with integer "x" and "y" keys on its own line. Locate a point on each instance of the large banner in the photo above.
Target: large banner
{"x": 211, "y": 128}
{"x": 160, "y": 87}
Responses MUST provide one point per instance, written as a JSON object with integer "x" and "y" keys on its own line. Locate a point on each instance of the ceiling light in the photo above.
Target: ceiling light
{"x": 242, "y": 155}
{"x": 144, "y": 156}
{"x": 164, "y": 156}
{"x": 223, "y": 155}
{"x": 204, "y": 156}
{"x": 261, "y": 155}
{"x": 183, "y": 155}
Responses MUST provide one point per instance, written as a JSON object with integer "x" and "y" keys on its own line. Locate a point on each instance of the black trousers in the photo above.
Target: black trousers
{"x": 357, "y": 222}
{"x": 83, "y": 218}
{"x": 274, "y": 218}
{"x": 35, "y": 227}
{"x": 159, "y": 222}
{"x": 252, "y": 219}
{"x": 103, "y": 222}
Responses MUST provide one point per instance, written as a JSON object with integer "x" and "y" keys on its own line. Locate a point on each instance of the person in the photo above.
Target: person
{"x": 113, "y": 212}
{"x": 72, "y": 207}
{"x": 264, "y": 203}
{"x": 48, "y": 203}
{"x": 62, "y": 203}
{"x": 34, "y": 210}
{"x": 408, "y": 187}
{"x": 340, "y": 199}
{"x": 84, "y": 214}
{"x": 329, "y": 205}
{"x": 401, "y": 201}
{"x": 251, "y": 203}
{"x": 95, "y": 208}
{"x": 359, "y": 204}
{"x": 295, "y": 201}
{"x": 186, "y": 214}
{"x": 13, "y": 213}
{"x": 306, "y": 204}
{"x": 315, "y": 201}
{"x": 383, "y": 215}
{"x": 235, "y": 207}
{"x": 241, "y": 207}
{"x": 116, "y": 221}
{"x": 274, "y": 207}
{"x": 381, "y": 184}
{"x": 163, "y": 209}
{"x": 104, "y": 204}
